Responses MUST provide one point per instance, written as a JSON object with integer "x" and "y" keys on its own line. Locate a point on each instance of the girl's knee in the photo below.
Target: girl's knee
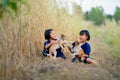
{"x": 94, "y": 62}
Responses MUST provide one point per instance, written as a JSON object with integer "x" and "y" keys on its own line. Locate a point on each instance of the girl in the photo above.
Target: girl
{"x": 85, "y": 47}
{"x": 50, "y": 37}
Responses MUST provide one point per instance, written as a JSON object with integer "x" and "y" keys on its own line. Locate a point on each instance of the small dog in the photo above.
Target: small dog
{"x": 77, "y": 47}
{"x": 52, "y": 50}
{"x": 77, "y": 51}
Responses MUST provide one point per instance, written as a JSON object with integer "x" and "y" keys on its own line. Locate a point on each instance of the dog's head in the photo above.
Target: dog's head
{"x": 77, "y": 42}
{"x": 63, "y": 37}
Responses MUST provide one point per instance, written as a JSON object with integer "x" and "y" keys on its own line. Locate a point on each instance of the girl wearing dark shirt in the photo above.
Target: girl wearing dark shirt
{"x": 86, "y": 48}
{"x": 50, "y": 37}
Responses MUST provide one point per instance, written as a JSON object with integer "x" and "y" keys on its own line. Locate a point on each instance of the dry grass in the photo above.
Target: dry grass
{"x": 21, "y": 43}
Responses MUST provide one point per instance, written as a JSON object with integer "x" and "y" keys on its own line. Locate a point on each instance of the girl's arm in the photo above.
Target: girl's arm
{"x": 83, "y": 54}
{"x": 51, "y": 43}
{"x": 48, "y": 45}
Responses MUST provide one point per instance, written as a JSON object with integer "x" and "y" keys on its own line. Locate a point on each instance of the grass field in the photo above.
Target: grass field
{"x": 22, "y": 37}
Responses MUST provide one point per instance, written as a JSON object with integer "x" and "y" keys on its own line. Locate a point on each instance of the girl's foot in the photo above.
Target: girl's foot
{"x": 73, "y": 59}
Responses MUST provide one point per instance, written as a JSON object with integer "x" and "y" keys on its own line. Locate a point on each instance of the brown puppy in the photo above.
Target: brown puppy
{"x": 77, "y": 51}
{"x": 77, "y": 47}
{"x": 52, "y": 50}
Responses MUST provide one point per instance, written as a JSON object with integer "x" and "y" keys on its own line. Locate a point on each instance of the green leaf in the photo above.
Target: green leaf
{"x": 13, "y": 6}
{"x": 5, "y": 3}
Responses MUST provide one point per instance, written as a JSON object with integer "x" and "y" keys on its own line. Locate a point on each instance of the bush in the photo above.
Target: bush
{"x": 7, "y": 5}
{"x": 109, "y": 17}
{"x": 86, "y": 15}
{"x": 96, "y": 15}
{"x": 117, "y": 14}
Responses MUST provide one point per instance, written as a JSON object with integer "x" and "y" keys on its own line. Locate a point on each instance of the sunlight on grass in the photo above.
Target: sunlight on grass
{"x": 22, "y": 40}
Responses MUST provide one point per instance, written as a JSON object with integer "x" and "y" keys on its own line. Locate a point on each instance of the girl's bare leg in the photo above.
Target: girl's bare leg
{"x": 89, "y": 60}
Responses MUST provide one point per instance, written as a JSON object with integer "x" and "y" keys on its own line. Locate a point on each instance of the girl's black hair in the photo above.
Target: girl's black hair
{"x": 85, "y": 32}
{"x": 47, "y": 33}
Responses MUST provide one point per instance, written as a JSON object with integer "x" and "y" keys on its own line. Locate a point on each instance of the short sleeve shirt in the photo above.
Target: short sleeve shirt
{"x": 86, "y": 48}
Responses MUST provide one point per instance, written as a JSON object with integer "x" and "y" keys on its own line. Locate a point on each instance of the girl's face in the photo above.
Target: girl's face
{"x": 52, "y": 35}
{"x": 83, "y": 38}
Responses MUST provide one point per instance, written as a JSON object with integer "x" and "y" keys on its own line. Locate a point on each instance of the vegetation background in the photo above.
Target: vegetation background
{"x": 22, "y": 26}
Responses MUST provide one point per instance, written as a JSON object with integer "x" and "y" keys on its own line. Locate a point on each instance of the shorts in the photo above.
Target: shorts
{"x": 85, "y": 60}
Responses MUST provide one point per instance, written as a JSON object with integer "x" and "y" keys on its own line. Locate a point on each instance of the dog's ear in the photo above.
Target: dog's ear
{"x": 73, "y": 44}
{"x": 63, "y": 35}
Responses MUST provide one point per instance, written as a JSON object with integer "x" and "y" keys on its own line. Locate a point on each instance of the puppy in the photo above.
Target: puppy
{"x": 52, "y": 50}
{"x": 76, "y": 48}
{"x": 77, "y": 51}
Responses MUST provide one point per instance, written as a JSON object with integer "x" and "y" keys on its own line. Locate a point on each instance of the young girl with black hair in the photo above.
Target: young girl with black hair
{"x": 50, "y": 37}
{"x": 85, "y": 47}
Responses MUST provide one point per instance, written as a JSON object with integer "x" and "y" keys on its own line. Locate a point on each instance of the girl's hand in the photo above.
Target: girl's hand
{"x": 54, "y": 42}
{"x": 84, "y": 55}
